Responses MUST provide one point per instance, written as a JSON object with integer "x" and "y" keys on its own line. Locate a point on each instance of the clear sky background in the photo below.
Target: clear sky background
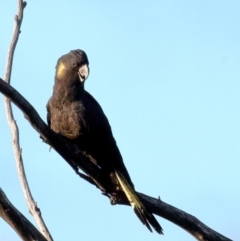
{"x": 167, "y": 74}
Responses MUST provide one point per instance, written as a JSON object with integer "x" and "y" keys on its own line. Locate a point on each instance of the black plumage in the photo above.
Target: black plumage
{"x": 76, "y": 115}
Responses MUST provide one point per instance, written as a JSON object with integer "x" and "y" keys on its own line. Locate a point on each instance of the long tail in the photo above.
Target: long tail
{"x": 145, "y": 217}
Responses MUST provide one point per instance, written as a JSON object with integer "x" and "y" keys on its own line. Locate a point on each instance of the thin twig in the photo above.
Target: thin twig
{"x": 34, "y": 210}
{"x": 184, "y": 220}
{"x": 17, "y": 221}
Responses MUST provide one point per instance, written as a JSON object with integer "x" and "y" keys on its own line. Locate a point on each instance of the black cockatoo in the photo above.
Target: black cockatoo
{"x": 77, "y": 116}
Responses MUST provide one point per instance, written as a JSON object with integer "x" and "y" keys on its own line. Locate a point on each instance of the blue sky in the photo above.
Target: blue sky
{"x": 167, "y": 76}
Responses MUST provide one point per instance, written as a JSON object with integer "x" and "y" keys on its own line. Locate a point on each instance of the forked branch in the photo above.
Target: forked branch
{"x": 17, "y": 221}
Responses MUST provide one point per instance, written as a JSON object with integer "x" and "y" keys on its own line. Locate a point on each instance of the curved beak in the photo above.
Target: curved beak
{"x": 83, "y": 72}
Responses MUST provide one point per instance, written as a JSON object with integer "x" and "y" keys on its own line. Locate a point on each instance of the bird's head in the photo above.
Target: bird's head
{"x": 73, "y": 66}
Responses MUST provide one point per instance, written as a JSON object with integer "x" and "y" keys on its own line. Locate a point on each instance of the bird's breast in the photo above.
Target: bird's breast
{"x": 68, "y": 119}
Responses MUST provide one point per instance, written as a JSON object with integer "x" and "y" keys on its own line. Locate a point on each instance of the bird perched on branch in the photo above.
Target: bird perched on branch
{"x": 76, "y": 115}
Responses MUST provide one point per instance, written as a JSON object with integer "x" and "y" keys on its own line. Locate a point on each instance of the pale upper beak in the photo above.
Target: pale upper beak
{"x": 83, "y": 72}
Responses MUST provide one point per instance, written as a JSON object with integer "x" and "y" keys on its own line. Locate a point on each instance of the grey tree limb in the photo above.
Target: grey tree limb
{"x": 32, "y": 205}
{"x": 17, "y": 221}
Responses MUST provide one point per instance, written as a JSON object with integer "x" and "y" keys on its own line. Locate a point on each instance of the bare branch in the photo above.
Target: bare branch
{"x": 77, "y": 160}
{"x": 34, "y": 210}
{"x": 17, "y": 221}
{"x": 186, "y": 221}
{"x": 16, "y": 31}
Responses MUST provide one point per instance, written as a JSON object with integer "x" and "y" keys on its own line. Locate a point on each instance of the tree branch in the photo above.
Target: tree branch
{"x": 17, "y": 221}
{"x": 186, "y": 221}
{"x": 32, "y": 205}
{"x": 77, "y": 160}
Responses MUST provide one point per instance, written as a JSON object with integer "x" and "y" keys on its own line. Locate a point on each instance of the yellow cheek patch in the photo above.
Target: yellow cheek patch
{"x": 60, "y": 69}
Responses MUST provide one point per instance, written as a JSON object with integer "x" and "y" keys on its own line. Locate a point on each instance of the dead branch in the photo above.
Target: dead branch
{"x": 34, "y": 210}
{"x": 77, "y": 160}
{"x": 17, "y": 221}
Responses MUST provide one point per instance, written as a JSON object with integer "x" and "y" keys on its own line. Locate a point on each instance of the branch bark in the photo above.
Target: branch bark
{"x": 34, "y": 210}
{"x": 17, "y": 221}
{"x": 77, "y": 160}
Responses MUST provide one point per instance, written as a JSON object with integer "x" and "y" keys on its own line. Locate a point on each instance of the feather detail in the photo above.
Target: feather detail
{"x": 140, "y": 210}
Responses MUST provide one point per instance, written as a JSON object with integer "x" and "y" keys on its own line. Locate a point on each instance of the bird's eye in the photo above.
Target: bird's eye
{"x": 73, "y": 64}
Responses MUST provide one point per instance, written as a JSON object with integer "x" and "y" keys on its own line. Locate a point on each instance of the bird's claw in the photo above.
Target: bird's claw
{"x": 113, "y": 200}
